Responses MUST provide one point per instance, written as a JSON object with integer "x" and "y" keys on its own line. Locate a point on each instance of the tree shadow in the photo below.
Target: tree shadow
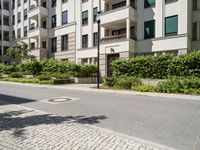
{"x": 17, "y": 121}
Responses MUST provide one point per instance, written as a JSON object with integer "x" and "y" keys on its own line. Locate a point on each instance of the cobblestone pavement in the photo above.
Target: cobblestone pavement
{"x": 27, "y": 129}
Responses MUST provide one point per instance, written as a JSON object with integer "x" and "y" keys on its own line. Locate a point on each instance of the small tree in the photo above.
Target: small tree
{"x": 20, "y": 51}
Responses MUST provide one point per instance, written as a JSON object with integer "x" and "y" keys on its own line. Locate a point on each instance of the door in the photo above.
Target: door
{"x": 110, "y": 59}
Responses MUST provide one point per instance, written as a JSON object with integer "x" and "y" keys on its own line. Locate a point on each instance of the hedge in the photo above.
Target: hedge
{"x": 159, "y": 67}
{"x": 49, "y": 66}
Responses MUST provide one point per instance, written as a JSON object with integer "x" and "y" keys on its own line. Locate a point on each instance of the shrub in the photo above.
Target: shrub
{"x": 44, "y": 77}
{"x": 159, "y": 67}
{"x": 125, "y": 82}
{"x": 33, "y": 67}
{"x": 16, "y": 75}
{"x": 146, "y": 88}
{"x": 179, "y": 85}
{"x": 8, "y": 69}
{"x": 185, "y": 65}
{"x": 109, "y": 82}
{"x": 87, "y": 71}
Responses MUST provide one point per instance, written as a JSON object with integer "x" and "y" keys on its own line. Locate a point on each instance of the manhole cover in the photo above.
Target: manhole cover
{"x": 57, "y": 100}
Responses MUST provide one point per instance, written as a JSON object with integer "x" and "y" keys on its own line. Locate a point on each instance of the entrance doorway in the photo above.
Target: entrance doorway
{"x": 110, "y": 59}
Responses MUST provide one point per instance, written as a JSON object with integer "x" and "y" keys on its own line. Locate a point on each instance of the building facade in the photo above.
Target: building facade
{"x": 67, "y": 29}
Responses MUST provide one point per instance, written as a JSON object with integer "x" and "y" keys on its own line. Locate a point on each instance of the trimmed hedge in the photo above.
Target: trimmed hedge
{"x": 50, "y": 66}
{"x": 159, "y": 67}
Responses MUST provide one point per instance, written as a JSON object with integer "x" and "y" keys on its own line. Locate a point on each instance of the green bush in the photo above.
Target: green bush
{"x": 185, "y": 65}
{"x": 125, "y": 82}
{"x": 16, "y": 75}
{"x": 44, "y": 77}
{"x": 109, "y": 82}
{"x": 159, "y": 67}
{"x": 179, "y": 85}
{"x": 145, "y": 88}
{"x": 32, "y": 68}
{"x": 9, "y": 68}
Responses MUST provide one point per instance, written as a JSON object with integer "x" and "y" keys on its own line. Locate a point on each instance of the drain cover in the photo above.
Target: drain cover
{"x": 60, "y": 100}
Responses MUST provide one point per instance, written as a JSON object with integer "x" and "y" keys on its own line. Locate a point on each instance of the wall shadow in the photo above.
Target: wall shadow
{"x": 7, "y": 99}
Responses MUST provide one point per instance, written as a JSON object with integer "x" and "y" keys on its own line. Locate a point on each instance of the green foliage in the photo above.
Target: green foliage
{"x": 186, "y": 65}
{"x": 122, "y": 82}
{"x": 145, "y": 88}
{"x": 31, "y": 68}
{"x": 9, "y": 68}
{"x": 159, "y": 67}
{"x": 19, "y": 51}
{"x": 179, "y": 85}
{"x": 16, "y": 75}
{"x": 109, "y": 82}
{"x": 25, "y": 80}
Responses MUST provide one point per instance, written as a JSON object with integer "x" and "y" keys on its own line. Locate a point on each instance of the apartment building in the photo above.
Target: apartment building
{"x": 67, "y": 29}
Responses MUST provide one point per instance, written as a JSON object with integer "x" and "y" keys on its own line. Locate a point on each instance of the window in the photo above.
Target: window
{"x": 149, "y": 29}
{"x": 170, "y": 1}
{"x": 85, "y": 18}
{"x": 25, "y": 31}
{"x": 13, "y": 19}
{"x": 64, "y": 1}
{"x": 171, "y": 25}
{"x": 64, "y": 42}
{"x": 65, "y": 17}
{"x": 194, "y": 31}
{"x": 85, "y": 41}
{"x": 149, "y": 3}
{"x": 13, "y": 4}
{"x": 53, "y": 3}
{"x": 18, "y": 2}
{"x": 195, "y": 4}
{"x": 83, "y": 1}
{"x": 95, "y": 39}
{"x": 19, "y": 16}
{"x": 95, "y": 11}
{"x": 118, "y": 5}
{"x": 54, "y": 44}
{"x": 25, "y": 14}
{"x": 19, "y": 33}
{"x": 53, "y": 21}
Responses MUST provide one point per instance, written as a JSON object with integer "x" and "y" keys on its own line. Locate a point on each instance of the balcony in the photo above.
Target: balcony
{"x": 117, "y": 15}
{"x": 34, "y": 32}
{"x": 35, "y": 10}
{"x": 111, "y": 38}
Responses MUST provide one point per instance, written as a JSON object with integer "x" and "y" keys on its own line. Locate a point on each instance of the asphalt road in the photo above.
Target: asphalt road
{"x": 171, "y": 122}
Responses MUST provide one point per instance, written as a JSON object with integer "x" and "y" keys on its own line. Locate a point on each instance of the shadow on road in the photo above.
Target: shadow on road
{"x": 7, "y": 99}
{"x": 17, "y": 121}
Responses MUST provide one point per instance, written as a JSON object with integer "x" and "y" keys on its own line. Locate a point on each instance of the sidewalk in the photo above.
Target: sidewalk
{"x": 92, "y": 87}
{"x": 25, "y": 128}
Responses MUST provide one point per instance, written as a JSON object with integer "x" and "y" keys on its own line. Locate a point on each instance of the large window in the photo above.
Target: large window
{"x": 65, "y": 17}
{"x": 54, "y": 44}
{"x": 53, "y": 3}
{"x": 171, "y": 25}
{"x": 85, "y": 41}
{"x": 194, "y": 31}
{"x": 53, "y": 21}
{"x": 85, "y": 18}
{"x": 95, "y": 39}
{"x": 95, "y": 11}
{"x": 149, "y": 3}
{"x": 64, "y": 42}
{"x": 149, "y": 29}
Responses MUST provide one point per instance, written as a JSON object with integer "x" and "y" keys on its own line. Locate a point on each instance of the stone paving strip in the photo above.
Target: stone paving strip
{"x": 27, "y": 129}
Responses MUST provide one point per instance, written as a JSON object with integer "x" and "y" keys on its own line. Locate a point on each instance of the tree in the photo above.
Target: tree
{"x": 20, "y": 51}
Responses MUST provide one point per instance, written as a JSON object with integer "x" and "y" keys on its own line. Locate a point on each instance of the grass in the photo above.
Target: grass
{"x": 26, "y": 80}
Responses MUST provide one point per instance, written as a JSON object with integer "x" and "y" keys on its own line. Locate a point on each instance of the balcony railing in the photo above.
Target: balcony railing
{"x": 116, "y": 37}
